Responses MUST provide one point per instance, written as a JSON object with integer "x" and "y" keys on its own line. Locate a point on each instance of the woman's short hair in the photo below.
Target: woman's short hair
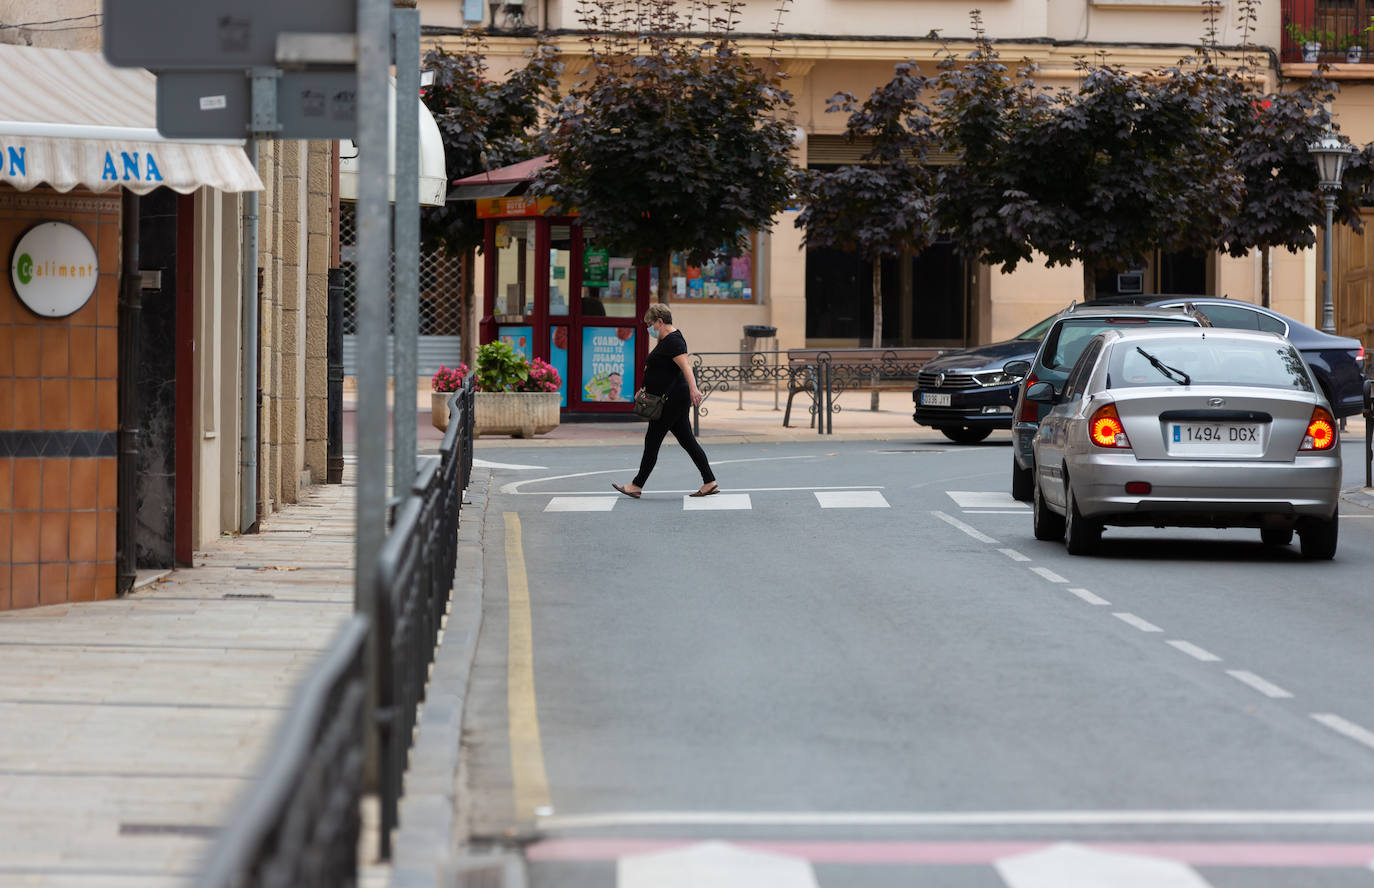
{"x": 658, "y": 312}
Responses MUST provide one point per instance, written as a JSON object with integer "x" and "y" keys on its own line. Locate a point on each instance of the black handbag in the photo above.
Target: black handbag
{"x": 649, "y": 406}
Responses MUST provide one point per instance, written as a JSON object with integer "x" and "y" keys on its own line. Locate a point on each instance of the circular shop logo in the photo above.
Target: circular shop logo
{"x": 54, "y": 269}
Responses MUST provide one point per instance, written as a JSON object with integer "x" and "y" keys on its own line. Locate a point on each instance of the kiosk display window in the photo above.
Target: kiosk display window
{"x": 515, "y": 264}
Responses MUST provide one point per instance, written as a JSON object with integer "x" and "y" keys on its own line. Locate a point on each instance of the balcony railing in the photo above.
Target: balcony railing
{"x": 1326, "y": 31}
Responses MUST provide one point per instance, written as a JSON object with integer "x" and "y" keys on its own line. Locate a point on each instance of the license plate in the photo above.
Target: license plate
{"x": 1219, "y": 438}
{"x": 934, "y": 399}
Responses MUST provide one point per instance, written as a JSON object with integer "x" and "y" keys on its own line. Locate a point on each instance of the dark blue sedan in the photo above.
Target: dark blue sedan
{"x": 1337, "y": 361}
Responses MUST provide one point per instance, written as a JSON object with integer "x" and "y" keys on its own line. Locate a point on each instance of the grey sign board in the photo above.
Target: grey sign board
{"x": 214, "y": 33}
{"x": 218, "y": 104}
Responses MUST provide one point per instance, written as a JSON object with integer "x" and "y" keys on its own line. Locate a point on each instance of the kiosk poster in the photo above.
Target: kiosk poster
{"x": 519, "y": 338}
{"x": 608, "y": 370}
{"x": 596, "y": 267}
{"x": 558, "y": 357}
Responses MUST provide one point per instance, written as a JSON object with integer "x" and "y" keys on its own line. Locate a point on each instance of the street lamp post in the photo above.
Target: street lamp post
{"x": 1331, "y": 154}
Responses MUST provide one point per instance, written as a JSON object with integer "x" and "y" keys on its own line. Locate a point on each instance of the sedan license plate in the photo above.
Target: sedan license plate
{"x": 1214, "y": 438}
{"x": 934, "y": 399}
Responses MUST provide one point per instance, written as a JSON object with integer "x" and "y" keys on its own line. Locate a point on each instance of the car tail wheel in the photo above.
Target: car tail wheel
{"x": 1276, "y": 536}
{"x": 1049, "y": 525}
{"x": 964, "y": 434}
{"x": 1318, "y": 538}
{"x": 1022, "y": 483}
{"x": 1081, "y": 535}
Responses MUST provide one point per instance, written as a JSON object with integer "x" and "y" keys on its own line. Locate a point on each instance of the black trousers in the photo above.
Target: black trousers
{"x": 675, "y": 419}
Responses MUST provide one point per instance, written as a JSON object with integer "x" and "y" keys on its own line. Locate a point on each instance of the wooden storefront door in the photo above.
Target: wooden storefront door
{"x": 1354, "y": 284}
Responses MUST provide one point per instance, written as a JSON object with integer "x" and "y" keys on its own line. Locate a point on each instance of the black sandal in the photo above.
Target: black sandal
{"x": 630, "y": 493}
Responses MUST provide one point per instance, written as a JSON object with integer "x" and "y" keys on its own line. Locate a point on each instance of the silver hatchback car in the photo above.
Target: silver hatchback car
{"x": 1188, "y": 428}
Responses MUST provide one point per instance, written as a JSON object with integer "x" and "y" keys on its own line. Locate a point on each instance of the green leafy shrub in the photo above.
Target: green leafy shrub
{"x": 500, "y": 368}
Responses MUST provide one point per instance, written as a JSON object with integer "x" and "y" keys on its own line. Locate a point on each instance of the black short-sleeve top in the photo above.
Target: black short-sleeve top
{"x": 661, "y": 375}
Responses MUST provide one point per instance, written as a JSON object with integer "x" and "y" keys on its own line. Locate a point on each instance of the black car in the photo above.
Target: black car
{"x": 966, "y": 395}
{"x": 1336, "y": 361}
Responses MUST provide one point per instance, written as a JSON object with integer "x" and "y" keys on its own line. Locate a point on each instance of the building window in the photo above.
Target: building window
{"x": 722, "y": 278}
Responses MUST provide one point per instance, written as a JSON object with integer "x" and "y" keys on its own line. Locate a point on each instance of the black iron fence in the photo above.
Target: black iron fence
{"x": 820, "y": 375}
{"x": 1369, "y": 433}
{"x": 297, "y": 826}
{"x": 415, "y": 577}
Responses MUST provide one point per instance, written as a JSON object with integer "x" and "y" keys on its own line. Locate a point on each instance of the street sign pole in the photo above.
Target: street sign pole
{"x": 406, "y": 30}
{"x": 374, "y": 241}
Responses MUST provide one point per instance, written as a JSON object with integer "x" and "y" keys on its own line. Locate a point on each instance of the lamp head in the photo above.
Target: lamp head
{"x": 1331, "y": 154}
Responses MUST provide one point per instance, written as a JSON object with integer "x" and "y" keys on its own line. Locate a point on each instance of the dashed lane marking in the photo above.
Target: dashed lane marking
{"x": 966, "y": 528}
{"x": 1013, "y": 555}
{"x": 1048, "y": 574}
{"x": 1089, "y": 597}
{"x": 1268, "y": 689}
{"x": 1141, "y": 624}
{"x": 1348, "y": 728}
{"x": 986, "y": 499}
{"x": 1194, "y": 651}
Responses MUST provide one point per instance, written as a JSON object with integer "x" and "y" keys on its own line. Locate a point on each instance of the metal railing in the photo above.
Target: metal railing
{"x": 414, "y": 578}
{"x": 1317, "y": 31}
{"x": 1369, "y": 433}
{"x": 822, "y": 376}
{"x": 297, "y": 826}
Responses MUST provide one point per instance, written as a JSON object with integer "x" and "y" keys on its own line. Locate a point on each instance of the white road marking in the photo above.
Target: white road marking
{"x": 1089, "y": 597}
{"x": 848, "y": 819}
{"x": 484, "y": 464}
{"x": 1013, "y": 555}
{"x": 1132, "y": 620}
{"x": 1349, "y": 729}
{"x": 1266, "y": 688}
{"x": 966, "y": 528}
{"x": 1068, "y": 865}
{"x": 717, "y": 864}
{"x": 720, "y": 502}
{"x": 993, "y": 512}
{"x": 514, "y": 486}
{"x": 851, "y": 499}
{"x": 1194, "y": 651}
{"x": 979, "y": 499}
{"x": 581, "y": 503}
{"x": 1048, "y": 574}
{"x": 653, "y": 490}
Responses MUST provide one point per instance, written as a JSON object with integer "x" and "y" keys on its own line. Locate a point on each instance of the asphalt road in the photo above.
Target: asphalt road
{"x": 859, "y": 668}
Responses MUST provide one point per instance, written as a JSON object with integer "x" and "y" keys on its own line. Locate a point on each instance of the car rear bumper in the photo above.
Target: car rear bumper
{"x": 1206, "y": 493}
{"x": 1023, "y": 444}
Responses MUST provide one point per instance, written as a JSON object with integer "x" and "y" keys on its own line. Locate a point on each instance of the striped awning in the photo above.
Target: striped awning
{"x": 70, "y": 119}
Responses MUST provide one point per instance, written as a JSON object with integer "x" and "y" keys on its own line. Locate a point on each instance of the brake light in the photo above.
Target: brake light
{"x": 1321, "y": 431}
{"x": 1030, "y": 411}
{"x": 1106, "y": 430}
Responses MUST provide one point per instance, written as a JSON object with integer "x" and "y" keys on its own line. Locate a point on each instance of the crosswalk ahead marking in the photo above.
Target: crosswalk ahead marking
{"x": 986, "y": 499}
{"x": 851, "y": 499}
{"x": 1073, "y": 866}
{"x": 581, "y": 504}
{"x": 717, "y": 502}
{"x": 713, "y": 865}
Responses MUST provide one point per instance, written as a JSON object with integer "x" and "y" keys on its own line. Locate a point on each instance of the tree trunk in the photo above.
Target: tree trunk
{"x": 665, "y": 283}
{"x": 1264, "y": 276}
{"x": 1089, "y": 282}
{"x": 877, "y": 322}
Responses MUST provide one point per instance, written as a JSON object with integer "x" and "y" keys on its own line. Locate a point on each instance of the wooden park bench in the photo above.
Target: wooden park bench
{"x": 825, "y": 373}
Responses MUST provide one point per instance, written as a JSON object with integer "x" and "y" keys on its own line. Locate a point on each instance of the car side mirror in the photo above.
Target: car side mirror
{"x": 1041, "y": 393}
{"x": 1016, "y": 368}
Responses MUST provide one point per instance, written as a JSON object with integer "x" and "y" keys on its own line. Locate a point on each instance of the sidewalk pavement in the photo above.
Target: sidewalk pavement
{"x": 131, "y": 726}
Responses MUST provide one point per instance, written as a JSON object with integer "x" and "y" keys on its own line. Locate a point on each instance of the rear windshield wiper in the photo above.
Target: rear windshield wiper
{"x": 1173, "y": 373}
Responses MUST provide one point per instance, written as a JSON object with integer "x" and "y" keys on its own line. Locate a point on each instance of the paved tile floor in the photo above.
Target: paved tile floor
{"x": 131, "y": 726}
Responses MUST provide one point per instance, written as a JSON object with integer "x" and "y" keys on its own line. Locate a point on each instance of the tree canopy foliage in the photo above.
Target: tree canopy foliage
{"x": 485, "y": 124}
{"x": 674, "y": 140}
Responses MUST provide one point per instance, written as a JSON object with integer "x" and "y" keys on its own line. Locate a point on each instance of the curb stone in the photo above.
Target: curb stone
{"x": 427, "y": 835}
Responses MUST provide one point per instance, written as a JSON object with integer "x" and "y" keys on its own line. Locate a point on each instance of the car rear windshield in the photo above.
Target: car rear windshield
{"x": 1207, "y": 362}
{"x": 1067, "y": 342}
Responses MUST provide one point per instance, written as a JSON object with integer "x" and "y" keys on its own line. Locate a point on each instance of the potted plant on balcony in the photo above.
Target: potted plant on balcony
{"x": 1311, "y": 39}
{"x": 445, "y": 382}
{"x": 514, "y": 396}
{"x": 1353, "y": 47}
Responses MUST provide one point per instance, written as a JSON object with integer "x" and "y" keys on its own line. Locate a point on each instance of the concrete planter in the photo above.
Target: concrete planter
{"x": 521, "y": 414}
{"x": 438, "y": 409}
